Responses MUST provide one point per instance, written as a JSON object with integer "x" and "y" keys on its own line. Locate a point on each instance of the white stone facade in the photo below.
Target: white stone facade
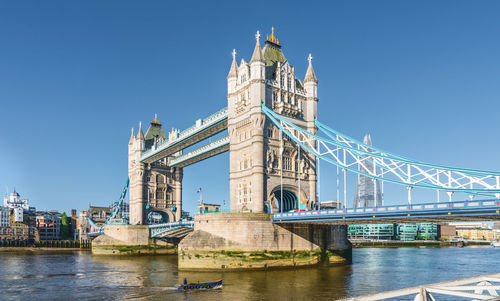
{"x": 154, "y": 187}
{"x": 260, "y": 158}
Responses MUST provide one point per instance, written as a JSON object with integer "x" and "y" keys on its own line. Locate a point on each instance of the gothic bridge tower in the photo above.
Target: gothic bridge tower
{"x": 261, "y": 158}
{"x": 155, "y": 188}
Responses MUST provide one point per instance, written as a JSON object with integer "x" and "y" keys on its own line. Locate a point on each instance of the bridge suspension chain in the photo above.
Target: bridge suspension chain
{"x": 352, "y": 155}
{"x": 117, "y": 209}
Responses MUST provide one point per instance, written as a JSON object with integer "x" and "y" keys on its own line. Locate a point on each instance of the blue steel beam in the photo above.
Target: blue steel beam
{"x": 449, "y": 211}
{"x": 203, "y": 129}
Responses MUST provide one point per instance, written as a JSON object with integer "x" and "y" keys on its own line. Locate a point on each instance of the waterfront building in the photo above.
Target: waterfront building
{"x": 368, "y": 193}
{"x": 371, "y": 231}
{"x": 474, "y": 231}
{"x": 48, "y": 224}
{"x": 446, "y": 231}
{"x": 13, "y": 200}
{"x": 406, "y": 232}
{"x": 4, "y": 217}
{"x": 427, "y": 231}
{"x": 20, "y": 225}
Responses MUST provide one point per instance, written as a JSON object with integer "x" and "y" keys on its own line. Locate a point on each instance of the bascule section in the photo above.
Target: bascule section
{"x": 268, "y": 172}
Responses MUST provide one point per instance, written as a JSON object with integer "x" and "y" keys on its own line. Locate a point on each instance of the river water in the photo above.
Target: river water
{"x": 79, "y": 275}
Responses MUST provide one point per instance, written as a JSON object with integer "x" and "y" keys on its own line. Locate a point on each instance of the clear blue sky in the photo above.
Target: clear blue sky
{"x": 422, "y": 77}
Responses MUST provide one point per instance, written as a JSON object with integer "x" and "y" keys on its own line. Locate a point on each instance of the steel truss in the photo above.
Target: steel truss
{"x": 354, "y": 156}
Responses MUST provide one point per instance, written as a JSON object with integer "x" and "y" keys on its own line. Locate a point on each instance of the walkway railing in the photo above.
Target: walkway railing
{"x": 197, "y": 127}
{"x": 157, "y": 230}
{"x": 484, "y": 287}
{"x": 218, "y": 144}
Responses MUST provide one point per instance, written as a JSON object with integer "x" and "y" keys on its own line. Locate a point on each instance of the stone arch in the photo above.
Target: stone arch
{"x": 290, "y": 198}
{"x": 153, "y": 214}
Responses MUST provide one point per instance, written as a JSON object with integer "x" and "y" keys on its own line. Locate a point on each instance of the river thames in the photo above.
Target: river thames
{"x": 79, "y": 275}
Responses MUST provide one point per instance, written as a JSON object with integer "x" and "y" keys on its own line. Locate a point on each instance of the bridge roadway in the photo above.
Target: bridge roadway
{"x": 480, "y": 210}
{"x": 202, "y": 129}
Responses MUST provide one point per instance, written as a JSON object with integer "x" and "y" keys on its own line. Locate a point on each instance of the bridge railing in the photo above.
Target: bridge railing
{"x": 173, "y": 224}
{"x": 429, "y": 207}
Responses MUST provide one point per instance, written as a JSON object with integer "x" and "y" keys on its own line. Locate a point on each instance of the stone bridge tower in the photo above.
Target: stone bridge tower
{"x": 261, "y": 158}
{"x": 156, "y": 188}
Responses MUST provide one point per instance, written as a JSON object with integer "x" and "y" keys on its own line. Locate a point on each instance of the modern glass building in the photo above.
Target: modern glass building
{"x": 371, "y": 231}
{"x": 428, "y": 230}
{"x": 406, "y": 231}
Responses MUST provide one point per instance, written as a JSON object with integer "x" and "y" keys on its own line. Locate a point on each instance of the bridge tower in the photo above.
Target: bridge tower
{"x": 155, "y": 188}
{"x": 265, "y": 167}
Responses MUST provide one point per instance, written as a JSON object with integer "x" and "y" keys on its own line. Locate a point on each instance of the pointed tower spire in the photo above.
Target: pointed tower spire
{"x": 233, "y": 72}
{"x": 310, "y": 76}
{"x": 367, "y": 139}
{"x": 257, "y": 52}
{"x": 131, "y": 141}
{"x": 140, "y": 134}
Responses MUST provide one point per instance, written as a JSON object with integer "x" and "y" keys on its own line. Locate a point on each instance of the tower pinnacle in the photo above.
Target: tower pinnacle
{"x": 233, "y": 71}
{"x": 310, "y": 76}
{"x": 257, "y": 52}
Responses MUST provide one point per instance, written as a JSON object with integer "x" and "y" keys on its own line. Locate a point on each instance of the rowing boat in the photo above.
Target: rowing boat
{"x": 204, "y": 285}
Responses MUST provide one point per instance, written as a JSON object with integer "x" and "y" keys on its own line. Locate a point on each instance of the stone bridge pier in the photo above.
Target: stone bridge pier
{"x": 238, "y": 241}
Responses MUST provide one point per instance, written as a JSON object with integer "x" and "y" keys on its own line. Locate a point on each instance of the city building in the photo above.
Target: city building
{"x": 428, "y": 231}
{"x": 4, "y": 217}
{"x": 368, "y": 192}
{"x": 17, "y": 219}
{"x": 206, "y": 208}
{"x": 20, "y": 226}
{"x": 371, "y": 231}
{"x": 13, "y": 200}
{"x": 407, "y": 232}
{"x": 49, "y": 225}
{"x": 474, "y": 231}
{"x": 446, "y": 231}
{"x": 496, "y": 230}
{"x": 333, "y": 204}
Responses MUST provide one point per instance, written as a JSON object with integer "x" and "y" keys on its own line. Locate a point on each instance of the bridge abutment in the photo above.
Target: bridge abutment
{"x": 239, "y": 241}
{"x": 130, "y": 240}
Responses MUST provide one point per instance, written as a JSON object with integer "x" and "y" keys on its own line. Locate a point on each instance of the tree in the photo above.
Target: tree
{"x": 64, "y": 226}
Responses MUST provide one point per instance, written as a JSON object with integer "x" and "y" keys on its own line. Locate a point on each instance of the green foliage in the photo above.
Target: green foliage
{"x": 64, "y": 226}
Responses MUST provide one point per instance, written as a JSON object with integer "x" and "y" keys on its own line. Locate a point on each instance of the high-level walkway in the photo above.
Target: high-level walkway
{"x": 177, "y": 141}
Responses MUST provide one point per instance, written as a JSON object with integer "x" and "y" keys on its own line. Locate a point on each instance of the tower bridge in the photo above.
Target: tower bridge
{"x": 275, "y": 142}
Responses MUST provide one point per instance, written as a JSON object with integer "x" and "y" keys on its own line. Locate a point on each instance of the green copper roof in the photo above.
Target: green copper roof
{"x": 272, "y": 54}
{"x": 153, "y": 131}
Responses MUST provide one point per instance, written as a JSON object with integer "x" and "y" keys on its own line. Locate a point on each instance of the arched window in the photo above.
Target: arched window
{"x": 160, "y": 194}
{"x": 160, "y": 179}
{"x": 287, "y": 161}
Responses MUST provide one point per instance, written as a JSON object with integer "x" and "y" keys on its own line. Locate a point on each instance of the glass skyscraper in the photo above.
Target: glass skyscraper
{"x": 368, "y": 193}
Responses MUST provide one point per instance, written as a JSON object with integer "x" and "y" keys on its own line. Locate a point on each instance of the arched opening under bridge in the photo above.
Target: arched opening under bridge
{"x": 157, "y": 217}
{"x": 290, "y": 200}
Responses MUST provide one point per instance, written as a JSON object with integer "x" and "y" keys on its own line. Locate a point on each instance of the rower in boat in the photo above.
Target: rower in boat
{"x": 204, "y": 285}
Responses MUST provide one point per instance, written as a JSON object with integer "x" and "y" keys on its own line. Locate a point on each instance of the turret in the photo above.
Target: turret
{"x": 140, "y": 138}
{"x": 232, "y": 77}
{"x": 310, "y": 81}
{"x": 257, "y": 65}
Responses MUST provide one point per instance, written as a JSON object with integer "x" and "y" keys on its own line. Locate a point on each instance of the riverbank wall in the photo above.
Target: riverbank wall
{"x": 242, "y": 241}
{"x": 130, "y": 240}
